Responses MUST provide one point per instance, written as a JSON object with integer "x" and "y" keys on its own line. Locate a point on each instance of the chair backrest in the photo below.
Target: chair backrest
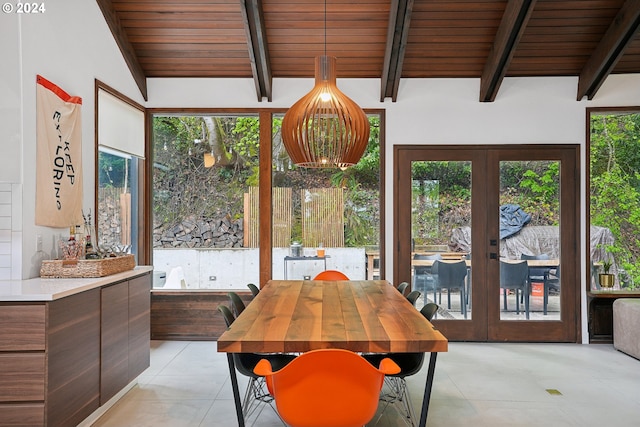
{"x": 423, "y": 269}
{"x": 402, "y": 287}
{"x": 429, "y": 310}
{"x": 536, "y": 271}
{"x": 514, "y": 274}
{"x": 450, "y": 274}
{"x": 425, "y": 256}
{"x": 236, "y": 303}
{"x": 254, "y": 289}
{"x": 413, "y": 297}
{"x": 227, "y": 314}
{"x": 328, "y": 387}
{"x": 331, "y": 275}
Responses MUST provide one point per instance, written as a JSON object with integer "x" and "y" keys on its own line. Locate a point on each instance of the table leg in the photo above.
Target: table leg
{"x": 236, "y": 391}
{"x": 427, "y": 390}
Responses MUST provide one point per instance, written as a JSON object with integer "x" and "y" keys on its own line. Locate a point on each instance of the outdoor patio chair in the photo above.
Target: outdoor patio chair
{"x": 515, "y": 276}
{"x": 451, "y": 276}
{"x": 423, "y": 276}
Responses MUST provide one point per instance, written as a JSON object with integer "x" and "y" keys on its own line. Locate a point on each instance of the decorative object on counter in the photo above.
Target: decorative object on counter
{"x": 89, "y": 251}
{"x": 606, "y": 279}
{"x": 87, "y": 267}
{"x": 320, "y": 251}
{"x": 71, "y": 250}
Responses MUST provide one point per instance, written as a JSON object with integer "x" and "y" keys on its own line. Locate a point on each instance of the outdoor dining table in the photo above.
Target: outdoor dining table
{"x": 369, "y": 316}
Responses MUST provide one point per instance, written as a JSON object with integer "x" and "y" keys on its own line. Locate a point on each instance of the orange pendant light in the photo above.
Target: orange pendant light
{"x": 325, "y": 128}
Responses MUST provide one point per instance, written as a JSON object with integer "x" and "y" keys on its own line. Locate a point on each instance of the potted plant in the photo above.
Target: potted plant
{"x": 606, "y": 279}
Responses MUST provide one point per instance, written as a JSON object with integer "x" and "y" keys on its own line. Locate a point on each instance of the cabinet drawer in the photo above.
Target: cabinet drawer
{"x": 22, "y": 327}
{"x": 21, "y": 414}
{"x": 21, "y": 377}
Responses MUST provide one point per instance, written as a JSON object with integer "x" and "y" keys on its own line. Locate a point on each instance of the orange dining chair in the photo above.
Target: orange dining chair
{"x": 327, "y": 388}
{"x": 331, "y": 275}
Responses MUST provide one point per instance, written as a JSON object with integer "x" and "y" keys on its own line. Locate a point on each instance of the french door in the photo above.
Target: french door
{"x": 491, "y": 234}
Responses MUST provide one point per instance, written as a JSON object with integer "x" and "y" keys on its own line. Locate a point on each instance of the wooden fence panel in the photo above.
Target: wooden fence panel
{"x": 282, "y": 217}
{"x": 323, "y": 217}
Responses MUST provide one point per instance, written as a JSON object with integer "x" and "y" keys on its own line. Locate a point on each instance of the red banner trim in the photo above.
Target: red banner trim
{"x": 59, "y": 92}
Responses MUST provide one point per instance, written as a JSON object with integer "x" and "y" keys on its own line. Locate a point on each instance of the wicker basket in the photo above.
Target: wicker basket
{"x": 87, "y": 267}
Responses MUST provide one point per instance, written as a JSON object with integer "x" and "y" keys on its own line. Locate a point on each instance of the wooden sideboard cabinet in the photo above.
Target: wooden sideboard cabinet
{"x": 600, "y": 306}
{"x": 60, "y": 360}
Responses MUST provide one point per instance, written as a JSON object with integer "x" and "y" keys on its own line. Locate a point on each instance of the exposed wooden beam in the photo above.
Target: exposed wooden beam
{"x": 514, "y": 21}
{"x": 253, "y": 18}
{"x": 397, "y": 31}
{"x": 610, "y": 49}
{"x": 125, "y": 46}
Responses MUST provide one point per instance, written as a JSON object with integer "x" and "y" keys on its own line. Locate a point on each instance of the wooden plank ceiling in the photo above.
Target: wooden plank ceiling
{"x": 385, "y": 39}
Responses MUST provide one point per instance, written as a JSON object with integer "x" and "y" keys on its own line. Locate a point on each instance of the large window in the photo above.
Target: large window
{"x": 331, "y": 210}
{"x": 614, "y": 197}
{"x": 204, "y": 170}
{"x": 208, "y": 220}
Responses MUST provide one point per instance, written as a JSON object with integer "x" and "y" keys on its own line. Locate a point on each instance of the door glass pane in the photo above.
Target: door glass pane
{"x": 204, "y": 169}
{"x": 326, "y": 218}
{"x": 441, "y": 236}
{"x": 529, "y": 240}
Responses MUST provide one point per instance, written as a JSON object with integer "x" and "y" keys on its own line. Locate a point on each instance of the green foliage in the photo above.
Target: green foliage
{"x": 184, "y": 188}
{"x": 615, "y": 188}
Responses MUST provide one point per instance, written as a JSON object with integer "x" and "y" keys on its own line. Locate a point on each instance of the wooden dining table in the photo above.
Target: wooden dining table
{"x": 294, "y": 316}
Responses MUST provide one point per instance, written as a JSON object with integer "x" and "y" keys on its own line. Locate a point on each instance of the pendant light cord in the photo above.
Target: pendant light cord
{"x": 325, "y": 27}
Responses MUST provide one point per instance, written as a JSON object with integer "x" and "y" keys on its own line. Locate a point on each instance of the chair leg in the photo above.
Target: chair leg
{"x": 545, "y": 299}
{"x": 255, "y": 394}
{"x": 396, "y": 392}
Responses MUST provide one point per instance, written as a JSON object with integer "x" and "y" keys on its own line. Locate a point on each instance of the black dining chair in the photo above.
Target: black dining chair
{"x": 515, "y": 276}
{"x": 254, "y": 289}
{"x": 451, "y": 276}
{"x": 256, "y": 392}
{"x": 413, "y": 296}
{"x": 403, "y": 287}
{"x": 237, "y": 304}
{"x": 396, "y": 390}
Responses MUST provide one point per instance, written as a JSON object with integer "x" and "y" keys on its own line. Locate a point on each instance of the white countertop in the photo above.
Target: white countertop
{"x": 39, "y": 289}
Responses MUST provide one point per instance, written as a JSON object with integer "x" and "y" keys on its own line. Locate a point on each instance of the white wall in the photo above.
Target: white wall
{"x": 70, "y": 45}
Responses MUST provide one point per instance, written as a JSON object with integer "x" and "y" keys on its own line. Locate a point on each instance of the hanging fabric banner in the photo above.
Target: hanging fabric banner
{"x": 59, "y": 156}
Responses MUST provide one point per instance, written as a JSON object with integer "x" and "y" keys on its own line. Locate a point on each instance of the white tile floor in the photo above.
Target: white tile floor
{"x": 476, "y": 384}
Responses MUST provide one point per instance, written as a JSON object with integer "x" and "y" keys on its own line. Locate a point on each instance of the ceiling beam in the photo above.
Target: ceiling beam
{"x": 514, "y": 21}
{"x": 397, "y": 32}
{"x": 610, "y": 49}
{"x": 125, "y": 46}
{"x": 253, "y": 18}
